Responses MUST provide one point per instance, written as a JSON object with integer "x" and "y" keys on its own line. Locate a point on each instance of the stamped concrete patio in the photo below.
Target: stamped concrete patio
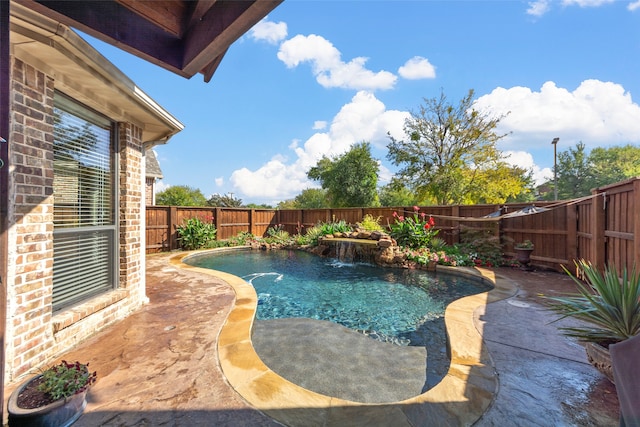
{"x": 164, "y": 365}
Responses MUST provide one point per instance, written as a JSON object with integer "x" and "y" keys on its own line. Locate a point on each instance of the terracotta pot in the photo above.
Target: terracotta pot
{"x": 61, "y": 413}
{"x": 599, "y": 357}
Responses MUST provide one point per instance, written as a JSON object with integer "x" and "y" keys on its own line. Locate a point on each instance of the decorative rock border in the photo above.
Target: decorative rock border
{"x": 384, "y": 250}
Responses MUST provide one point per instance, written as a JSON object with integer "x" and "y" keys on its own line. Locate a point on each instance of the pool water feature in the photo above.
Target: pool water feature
{"x": 394, "y": 305}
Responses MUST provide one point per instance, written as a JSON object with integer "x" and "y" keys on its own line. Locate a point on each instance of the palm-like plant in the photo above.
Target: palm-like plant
{"x": 610, "y": 303}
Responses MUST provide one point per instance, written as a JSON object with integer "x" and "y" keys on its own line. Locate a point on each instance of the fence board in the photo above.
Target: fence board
{"x": 602, "y": 229}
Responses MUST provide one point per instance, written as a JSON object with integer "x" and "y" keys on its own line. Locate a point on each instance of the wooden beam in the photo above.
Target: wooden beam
{"x": 116, "y": 24}
{"x": 169, "y": 15}
{"x": 218, "y": 28}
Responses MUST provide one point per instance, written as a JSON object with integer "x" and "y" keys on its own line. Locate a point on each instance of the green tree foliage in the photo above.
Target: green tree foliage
{"x": 350, "y": 179}
{"x": 578, "y": 172}
{"x": 614, "y": 164}
{"x": 396, "y": 193}
{"x": 450, "y": 152}
{"x": 224, "y": 201}
{"x": 181, "y": 195}
{"x": 499, "y": 183}
{"x": 309, "y": 198}
{"x": 258, "y": 206}
{"x": 574, "y": 175}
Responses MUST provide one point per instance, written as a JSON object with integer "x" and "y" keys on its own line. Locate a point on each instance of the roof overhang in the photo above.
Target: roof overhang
{"x": 184, "y": 36}
{"x": 84, "y": 74}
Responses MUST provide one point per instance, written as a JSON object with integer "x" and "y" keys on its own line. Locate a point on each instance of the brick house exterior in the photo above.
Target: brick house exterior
{"x": 48, "y": 59}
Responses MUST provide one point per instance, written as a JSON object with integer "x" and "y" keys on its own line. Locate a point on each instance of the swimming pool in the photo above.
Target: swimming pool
{"x": 393, "y": 305}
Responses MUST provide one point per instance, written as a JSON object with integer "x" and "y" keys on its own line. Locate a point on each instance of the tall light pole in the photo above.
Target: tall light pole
{"x": 555, "y": 168}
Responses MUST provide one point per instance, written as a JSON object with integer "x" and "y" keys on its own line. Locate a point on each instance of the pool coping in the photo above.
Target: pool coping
{"x": 463, "y": 395}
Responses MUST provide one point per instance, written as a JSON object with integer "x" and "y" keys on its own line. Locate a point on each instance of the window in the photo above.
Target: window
{"x": 84, "y": 218}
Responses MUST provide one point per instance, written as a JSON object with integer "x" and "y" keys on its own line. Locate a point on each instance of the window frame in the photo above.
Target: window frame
{"x": 63, "y": 268}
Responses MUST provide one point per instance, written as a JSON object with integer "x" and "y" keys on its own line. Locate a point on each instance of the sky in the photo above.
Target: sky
{"x": 315, "y": 77}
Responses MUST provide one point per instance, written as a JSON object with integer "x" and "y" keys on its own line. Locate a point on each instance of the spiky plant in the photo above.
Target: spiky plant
{"x": 610, "y": 303}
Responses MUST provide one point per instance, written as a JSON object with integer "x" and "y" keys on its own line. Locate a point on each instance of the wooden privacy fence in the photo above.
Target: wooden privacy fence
{"x": 603, "y": 228}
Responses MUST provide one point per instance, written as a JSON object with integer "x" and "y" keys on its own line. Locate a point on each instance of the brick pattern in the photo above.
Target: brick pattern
{"x": 130, "y": 214}
{"x": 149, "y": 184}
{"x": 30, "y": 281}
{"x": 34, "y": 337}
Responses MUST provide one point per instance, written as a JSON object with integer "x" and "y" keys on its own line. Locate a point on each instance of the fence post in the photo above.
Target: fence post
{"x": 597, "y": 230}
{"x": 252, "y": 221}
{"x": 572, "y": 233}
{"x": 636, "y": 224}
{"x": 455, "y": 225}
{"x": 216, "y": 221}
{"x": 172, "y": 217}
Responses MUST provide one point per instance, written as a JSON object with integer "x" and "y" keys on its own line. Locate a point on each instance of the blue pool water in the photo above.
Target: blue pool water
{"x": 388, "y": 304}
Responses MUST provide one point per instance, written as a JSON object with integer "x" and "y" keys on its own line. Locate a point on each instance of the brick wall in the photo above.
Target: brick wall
{"x": 149, "y": 184}
{"x": 34, "y": 336}
{"x": 131, "y": 195}
{"x": 30, "y": 286}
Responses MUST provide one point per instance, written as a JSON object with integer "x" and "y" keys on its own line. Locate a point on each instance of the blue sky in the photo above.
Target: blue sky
{"x": 315, "y": 77}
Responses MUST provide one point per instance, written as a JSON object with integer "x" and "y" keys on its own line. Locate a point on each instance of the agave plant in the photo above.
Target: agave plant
{"x": 610, "y": 303}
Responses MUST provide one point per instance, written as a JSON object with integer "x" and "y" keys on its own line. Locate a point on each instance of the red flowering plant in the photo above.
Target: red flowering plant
{"x": 414, "y": 231}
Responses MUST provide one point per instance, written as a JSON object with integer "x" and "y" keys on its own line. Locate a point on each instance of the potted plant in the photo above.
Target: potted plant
{"x": 54, "y": 398}
{"x": 608, "y": 303}
{"x": 523, "y": 252}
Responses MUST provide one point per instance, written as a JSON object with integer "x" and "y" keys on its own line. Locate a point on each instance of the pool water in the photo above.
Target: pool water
{"x": 394, "y": 305}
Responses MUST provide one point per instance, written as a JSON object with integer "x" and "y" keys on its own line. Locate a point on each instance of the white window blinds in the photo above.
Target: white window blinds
{"x": 84, "y": 216}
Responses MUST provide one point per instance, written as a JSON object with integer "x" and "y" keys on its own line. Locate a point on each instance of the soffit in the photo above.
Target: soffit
{"x": 184, "y": 36}
{"x": 82, "y": 73}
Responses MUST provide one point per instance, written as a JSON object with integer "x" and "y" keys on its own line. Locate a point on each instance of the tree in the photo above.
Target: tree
{"x": 396, "y": 193}
{"x": 447, "y": 150}
{"x": 312, "y": 198}
{"x": 578, "y": 173}
{"x": 614, "y": 164}
{"x": 224, "y": 201}
{"x": 499, "y": 183}
{"x": 309, "y": 198}
{"x": 573, "y": 173}
{"x": 350, "y": 179}
{"x": 258, "y": 206}
{"x": 181, "y": 195}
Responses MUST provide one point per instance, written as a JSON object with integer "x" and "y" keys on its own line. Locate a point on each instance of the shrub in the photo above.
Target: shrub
{"x": 370, "y": 223}
{"x": 482, "y": 246}
{"x": 240, "y": 239}
{"x": 277, "y": 234}
{"x": 313, "y": 234}
{"x": 609, "y": 303}
{"x": 196, "y": 234}
{"x": 334, "y": 227}
{"x": 413, "y": 232}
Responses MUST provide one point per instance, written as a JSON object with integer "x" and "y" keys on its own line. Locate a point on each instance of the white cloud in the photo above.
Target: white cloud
{"x": 219, "y": 181}
{"x": 538, "y": 7}
{"x": 634, "y": 5}
{"x": 160, "y": 186}
{"x": 525, "y": 160}
{"x": 365, "y": 118}
{"x": 328, "y": 67}
{"x": 586, "y": 3}
{"x": 271, "y": 32}
{"x": 319, "y": 124}
{"x": 597, "y": 113}
{"x": 417, "y": 68}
